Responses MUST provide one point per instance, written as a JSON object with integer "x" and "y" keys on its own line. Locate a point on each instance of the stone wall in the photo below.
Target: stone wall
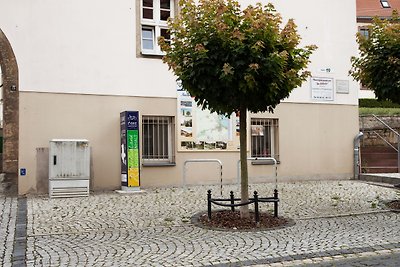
{"x": 8, "y": 63}
{"x": 371, "y": 128}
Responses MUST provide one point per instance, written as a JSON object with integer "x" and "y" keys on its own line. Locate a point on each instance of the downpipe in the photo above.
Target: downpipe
{"x": 357, "y": 162}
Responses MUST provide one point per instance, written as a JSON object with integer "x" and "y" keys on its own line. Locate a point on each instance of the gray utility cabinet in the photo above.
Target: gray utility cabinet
{"x": 69, "y": 168}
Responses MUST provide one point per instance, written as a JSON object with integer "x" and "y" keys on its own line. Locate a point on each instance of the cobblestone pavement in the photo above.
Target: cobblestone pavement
{"x": 333, "y": 218}
{"x": 8, "y": 211}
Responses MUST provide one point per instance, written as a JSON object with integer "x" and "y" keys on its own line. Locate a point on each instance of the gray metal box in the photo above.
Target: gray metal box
{"x": 69, "y": 167}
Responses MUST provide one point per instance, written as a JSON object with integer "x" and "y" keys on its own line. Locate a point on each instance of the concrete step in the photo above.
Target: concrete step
{"x": 388, "y": 178}
{"x": 371, "y": 155}
{"x": 378, "y": 169}
{"x": 378, "y": 159}
{"x": 378, "y": 149}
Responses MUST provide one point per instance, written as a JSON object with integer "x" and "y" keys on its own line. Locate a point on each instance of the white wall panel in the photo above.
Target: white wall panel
{"x": 89, "y": 46}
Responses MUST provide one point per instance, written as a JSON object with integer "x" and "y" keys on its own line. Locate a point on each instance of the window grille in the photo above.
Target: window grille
{"x": 264, "y": 138}
{"x": 158, "y": 139}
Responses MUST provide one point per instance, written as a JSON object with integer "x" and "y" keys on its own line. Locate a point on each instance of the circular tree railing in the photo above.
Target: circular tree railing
{"x": 230, "y": 202}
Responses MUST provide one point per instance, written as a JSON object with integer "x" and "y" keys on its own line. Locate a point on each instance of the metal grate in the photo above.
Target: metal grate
{"x": 264, "y": 138}
{"x": 158, "y": 141}
{"x": 69, "y": 188}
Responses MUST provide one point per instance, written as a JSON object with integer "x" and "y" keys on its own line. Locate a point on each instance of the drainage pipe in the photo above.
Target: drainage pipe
{"x": 357, "y": 163}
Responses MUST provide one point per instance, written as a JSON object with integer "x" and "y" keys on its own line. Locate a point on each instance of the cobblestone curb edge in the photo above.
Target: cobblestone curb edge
{"x": 326, "y": 256}
{"x": 19, "y": 251}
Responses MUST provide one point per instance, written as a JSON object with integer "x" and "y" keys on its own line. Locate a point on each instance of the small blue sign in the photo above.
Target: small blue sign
{"x": 22, "y": 171}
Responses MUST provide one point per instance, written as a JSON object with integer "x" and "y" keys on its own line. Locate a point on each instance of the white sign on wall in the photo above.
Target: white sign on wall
{"x": 322, "y": 89}
{"x": 342, "y": 86}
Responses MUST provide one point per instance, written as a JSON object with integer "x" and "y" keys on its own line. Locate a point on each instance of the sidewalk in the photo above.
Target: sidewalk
{"x": 153, "y": 229}
{"x": 8, "y": 215}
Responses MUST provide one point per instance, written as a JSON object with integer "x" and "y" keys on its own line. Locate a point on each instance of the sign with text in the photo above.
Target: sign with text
{"x": 129, "y": 126}
{"x": 200, "y": 130}
{"x": 322, "y": 89}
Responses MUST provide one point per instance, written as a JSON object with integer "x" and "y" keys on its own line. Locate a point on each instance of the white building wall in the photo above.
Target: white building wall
{"x": 330, "y": 25}
{"x": 84, "y": 47}
{"x": 89, "y": 47}
{"x": 78, "y": 61}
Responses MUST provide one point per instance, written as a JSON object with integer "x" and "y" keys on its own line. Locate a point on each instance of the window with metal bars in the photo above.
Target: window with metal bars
{"x": 264, "y": 138}
{"x": 158, "y": 140}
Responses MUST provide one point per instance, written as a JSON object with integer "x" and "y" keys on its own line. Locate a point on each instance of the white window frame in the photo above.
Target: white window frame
{"x": 270, "y": 129}
{"x": 385, "y": 4}
{"x": 160, "y": 158}
{"x": 363, "y": 30}
{"x": 156, "y": 24}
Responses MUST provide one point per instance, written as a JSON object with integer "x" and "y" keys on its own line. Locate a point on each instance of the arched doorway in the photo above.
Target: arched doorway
{"x": 9, "y": 72}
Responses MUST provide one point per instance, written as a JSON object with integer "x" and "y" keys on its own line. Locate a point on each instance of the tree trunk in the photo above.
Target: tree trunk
{"x": 244, "y": 188}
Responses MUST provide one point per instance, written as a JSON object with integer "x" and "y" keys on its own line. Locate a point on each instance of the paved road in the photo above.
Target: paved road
{"x": 383, "y": 259}
{"x": 338, "y": 223}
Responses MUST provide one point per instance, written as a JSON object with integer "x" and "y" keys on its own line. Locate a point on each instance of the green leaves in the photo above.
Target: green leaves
{"x": 229, "y": 58}
{"x": 378, "y": 66}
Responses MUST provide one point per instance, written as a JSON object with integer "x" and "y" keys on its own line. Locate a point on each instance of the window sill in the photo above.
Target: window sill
{"x": 152, "y": 54}
{"x": 264, "y": 162}
{"x": 158, "y": 164}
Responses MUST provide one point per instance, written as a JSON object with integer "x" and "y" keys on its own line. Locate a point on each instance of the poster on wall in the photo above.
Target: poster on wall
{"x": 200, "y": 129}
{"x": 257, "y": 130}
{"x": 342, "y": 87}
{"x": 322, "y": 89}
{"x": 129, "y": 125}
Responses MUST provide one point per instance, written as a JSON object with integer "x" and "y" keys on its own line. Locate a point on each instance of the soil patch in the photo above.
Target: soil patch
{"x": 229, "y": 220}
{"x": 395, "y": 205}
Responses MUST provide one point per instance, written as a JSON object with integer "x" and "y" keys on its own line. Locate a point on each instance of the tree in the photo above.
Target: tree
{"x": 234, "y": 60}
{"x": 378, "y": 65}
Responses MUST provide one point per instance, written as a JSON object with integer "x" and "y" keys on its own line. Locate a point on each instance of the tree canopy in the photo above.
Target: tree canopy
{"x": 378, "y": 65}
{"x": 229, "y": 58}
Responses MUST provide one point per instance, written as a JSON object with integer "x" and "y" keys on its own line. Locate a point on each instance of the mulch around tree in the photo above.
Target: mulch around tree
{"x": 394, "y": 205}
{"x": 231, "y": 221}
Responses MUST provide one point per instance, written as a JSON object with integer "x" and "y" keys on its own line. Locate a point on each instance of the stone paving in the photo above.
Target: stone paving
{"x": 333, "y": 218}
{"x": 8, "y": 211}
{"x": 175, "y": 206}
{"x": 337, "y": 223}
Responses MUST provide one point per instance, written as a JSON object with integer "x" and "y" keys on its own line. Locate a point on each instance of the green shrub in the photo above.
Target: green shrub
{"x": 374, "y": 103}
{"x": 379, "y": 111}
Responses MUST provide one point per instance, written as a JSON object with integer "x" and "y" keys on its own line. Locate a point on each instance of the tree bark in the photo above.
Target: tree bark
{"x": 244, "y": 183}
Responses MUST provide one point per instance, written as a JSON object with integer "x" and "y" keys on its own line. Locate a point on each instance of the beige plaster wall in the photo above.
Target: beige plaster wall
{"x": 315, "y": 140}
{"x": 47, "y": 116}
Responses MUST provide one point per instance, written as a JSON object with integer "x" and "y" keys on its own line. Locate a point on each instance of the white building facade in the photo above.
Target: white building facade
{"x": 81, "y": 63}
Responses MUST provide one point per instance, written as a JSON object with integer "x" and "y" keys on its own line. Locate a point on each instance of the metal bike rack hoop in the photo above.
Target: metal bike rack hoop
{"x": 200, "y": 160}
